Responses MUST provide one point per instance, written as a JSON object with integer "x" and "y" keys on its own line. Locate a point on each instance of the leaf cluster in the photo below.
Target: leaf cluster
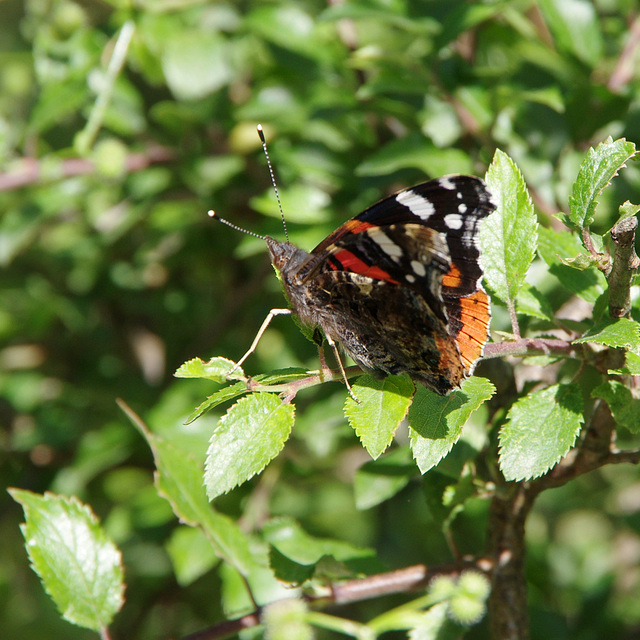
{"x": 121, "y": 124}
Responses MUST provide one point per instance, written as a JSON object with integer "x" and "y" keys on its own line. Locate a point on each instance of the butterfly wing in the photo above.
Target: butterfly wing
{"x": 399, "y": 285}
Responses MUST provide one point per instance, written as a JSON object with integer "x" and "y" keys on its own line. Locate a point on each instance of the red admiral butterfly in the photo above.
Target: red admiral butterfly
{"x": 398, "y": 286}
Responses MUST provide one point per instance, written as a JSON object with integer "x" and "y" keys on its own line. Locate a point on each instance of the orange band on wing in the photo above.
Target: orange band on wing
{"x": 453, "y": 278}
{"x": 474, "y": 318}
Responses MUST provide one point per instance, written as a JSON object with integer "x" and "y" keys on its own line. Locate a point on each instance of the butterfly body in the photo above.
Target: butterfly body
{"x": 398, "y": 286}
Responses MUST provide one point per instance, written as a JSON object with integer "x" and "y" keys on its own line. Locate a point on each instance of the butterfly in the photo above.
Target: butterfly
{"x": 398, "y": 287}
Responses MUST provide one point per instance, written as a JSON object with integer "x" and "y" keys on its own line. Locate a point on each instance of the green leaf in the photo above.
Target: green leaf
{"x": 624, "y": 406}
{"x": 555, "y": 249}
{"x": 627, "y": 210}
{"x": 620, "y": 333}
{"x": 304, "y": 204}
{"x": 246, "y": 439}
{"x": 297, "y": 553}
{"x": 533, "y": 302}
{"x": 378, "y": 480}
{"x": 509, "y": 236}
{"x": 383, "y": 406}
{"x": 216, "y": 369}
{"x": 436, "y": 421}
{"x": 417, "y": 152}
{"x": 632, "y": 364}
{"x": 179, "y": 480}
{"x": 56, "y": 102}
{"x": 79, "y": 566}
{"x": 540, "y": 429}
{"x": 223, "y": 395}
{"x": 576, "y": 28}
{"x": 292, "y": 28}
{"x": 196, "y": 63}
{"x": 596, "y": 172}
{"x": 191, "y": 553}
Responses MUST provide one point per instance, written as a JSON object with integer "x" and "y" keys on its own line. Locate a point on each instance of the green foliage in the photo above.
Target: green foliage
{"x": 381, "y": 407}
{"x": 437, "y": 421}
{"x": 80, "y": 567}
{"x": 510, "y": 235}
{"x": 247, "y": 438}
{"x": 540, "y": 429}
{"x": 121, "y": 125}
{"x": 596, "y": 172}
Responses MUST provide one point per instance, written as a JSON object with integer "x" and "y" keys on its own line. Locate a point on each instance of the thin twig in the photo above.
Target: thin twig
{"x": 31, "y": 170}
{"x": 405, "y": 580}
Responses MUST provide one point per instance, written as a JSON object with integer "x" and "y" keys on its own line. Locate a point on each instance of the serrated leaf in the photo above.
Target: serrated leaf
{"x": 216, "y": 369}
{"x": 555, "y": 247}
{"x": 79, "y": 566}
{"x": 509, "y": 236}
{"x": 533, "y": 302}
{"x": 222, "y": 395}
{"x": 246, "y": 439}
{"x": 378, "y": 480}
{"x": 624, "y": 406}
{"x": 596, "y": 172}
{"x": 540, "y": 429}
{"x": 178, "y": 479}
{"x": 627, "y": 210}
{"x": 620, "y": 333}
{"x": 436, "y": 421}
{"x": 632, "y": 363}
{"x": 383, "y": 406}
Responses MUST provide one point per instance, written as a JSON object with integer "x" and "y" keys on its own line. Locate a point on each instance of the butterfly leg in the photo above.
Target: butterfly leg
{"x": 272, "y": 314}
{"x": 333, "y": 345}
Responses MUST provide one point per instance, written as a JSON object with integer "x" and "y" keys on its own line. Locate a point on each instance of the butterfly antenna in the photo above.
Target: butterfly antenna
{"x": 273, "y": 178}
{"x": 215, "y": 216}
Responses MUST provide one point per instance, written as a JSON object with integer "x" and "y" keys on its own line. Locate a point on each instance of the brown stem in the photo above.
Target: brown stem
{"x": 400, "y": 581}
{"x": 508, "y": 600}
{"x": 625, "y": 265}
{"x": 31, "y": 170}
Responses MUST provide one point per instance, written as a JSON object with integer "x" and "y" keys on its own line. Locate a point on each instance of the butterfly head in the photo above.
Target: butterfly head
{"x": 284, "y": 255}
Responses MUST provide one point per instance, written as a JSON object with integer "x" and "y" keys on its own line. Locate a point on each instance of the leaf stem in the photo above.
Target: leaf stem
{"x": 86, "y": 137}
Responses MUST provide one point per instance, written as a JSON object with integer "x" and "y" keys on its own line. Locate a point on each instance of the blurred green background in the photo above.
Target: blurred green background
{"x": 112, "y": 274}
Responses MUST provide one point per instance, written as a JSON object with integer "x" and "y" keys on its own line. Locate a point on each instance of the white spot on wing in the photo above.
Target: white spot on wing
{"x": 418, "y": 205}
{"x": 418, "y": 268}
{"x": 385, "y": 243}
{"x": 446, "y": 183}
{"x": 462, "y": 208}
{"x": 454, "y": 221}
{"x": 410, "y": 278}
